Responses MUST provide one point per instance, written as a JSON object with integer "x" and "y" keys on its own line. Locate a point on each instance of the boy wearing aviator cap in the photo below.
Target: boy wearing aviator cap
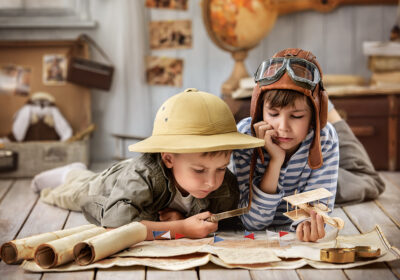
{"x": 175, "y": 185}
{"x": 301, "y": 151}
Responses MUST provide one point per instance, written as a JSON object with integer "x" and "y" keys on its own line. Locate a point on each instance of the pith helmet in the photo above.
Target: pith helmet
{"x": 194, "y": 121}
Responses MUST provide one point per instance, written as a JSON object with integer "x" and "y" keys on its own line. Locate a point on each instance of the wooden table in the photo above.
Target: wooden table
{"x": 23, "y": 214}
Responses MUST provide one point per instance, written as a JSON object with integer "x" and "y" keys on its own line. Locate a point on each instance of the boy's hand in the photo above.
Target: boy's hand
{"x": 311, "y": 231}
{"x": 169, "y": 214}
{"x": 196, "y": 226}
{"x": 266, "y": 132}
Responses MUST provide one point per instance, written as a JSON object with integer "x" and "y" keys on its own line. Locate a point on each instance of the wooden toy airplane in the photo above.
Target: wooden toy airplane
{"x": 302, "y": 201}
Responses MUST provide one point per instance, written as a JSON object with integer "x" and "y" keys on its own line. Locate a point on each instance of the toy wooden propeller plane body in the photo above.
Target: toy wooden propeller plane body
{"x": 303, "y": 200}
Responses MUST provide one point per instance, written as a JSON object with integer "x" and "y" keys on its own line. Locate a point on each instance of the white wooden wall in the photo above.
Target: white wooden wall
{"x": 335, "y": 38}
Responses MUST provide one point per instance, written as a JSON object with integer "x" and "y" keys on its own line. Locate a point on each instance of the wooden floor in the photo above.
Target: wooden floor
{"x": 22, "y": 214}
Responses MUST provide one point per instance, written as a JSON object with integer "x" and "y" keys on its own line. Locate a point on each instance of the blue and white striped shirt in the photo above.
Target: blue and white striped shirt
{"x": 267, "y": 209}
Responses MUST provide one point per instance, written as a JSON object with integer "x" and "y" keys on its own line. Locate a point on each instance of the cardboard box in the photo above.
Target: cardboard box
{"x": 72, "y": 100}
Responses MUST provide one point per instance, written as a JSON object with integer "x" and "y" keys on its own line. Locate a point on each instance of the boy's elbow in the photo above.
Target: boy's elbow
{"x": 119, "y": 214}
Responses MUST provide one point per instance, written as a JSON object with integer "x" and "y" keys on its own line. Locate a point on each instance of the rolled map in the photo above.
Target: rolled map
{"x": 14, "y": 251}
{"x": 108, "y": 243}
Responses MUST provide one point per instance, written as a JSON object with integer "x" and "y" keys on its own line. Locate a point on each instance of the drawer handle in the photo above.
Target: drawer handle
{"x": 363, "y": 130}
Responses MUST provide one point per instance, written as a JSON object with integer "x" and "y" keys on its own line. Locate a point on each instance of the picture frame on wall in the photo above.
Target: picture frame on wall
{"x": 171, "y": 34}
{"x": 54, "y": 69}
{"x": 164, "y": 71}
{"x": 15, "y": 80}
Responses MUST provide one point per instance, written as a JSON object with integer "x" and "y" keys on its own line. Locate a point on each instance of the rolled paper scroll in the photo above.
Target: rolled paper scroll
{"x": 14, "y": 251}
{"x": 59, "y": 251}
{"x": 109, "y": 243}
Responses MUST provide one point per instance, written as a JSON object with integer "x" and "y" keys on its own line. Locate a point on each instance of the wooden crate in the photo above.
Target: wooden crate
{"x": 73, "y": 101}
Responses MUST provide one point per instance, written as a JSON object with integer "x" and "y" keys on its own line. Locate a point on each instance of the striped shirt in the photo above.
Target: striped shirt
{"x": 295, "y": 174}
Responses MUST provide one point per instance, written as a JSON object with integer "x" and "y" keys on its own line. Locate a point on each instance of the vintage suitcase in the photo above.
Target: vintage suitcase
{"x": 73, "y": 101}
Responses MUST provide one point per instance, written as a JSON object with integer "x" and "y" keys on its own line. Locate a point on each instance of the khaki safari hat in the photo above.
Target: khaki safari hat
{"x": 194, "y": 121}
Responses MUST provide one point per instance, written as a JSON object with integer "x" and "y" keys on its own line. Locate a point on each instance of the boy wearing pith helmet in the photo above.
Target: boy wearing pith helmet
{"x": 177, "y": 183}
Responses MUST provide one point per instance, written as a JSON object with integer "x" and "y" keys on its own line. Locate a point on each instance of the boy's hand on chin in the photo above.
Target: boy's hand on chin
{"x": 266, "y": 132}
{"x": 311, "y": 231}
{"x": 196, "y": 226}
{"x": 169, "y": 214}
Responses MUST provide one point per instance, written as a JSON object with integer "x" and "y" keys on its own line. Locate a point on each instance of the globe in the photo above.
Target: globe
{"x": 237, "y": 26}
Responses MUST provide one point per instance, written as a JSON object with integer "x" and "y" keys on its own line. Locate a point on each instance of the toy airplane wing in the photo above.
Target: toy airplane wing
{"x": 305, "y": 197}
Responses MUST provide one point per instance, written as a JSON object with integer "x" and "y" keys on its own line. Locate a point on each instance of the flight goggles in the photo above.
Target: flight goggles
{"x": 303, "y": 72}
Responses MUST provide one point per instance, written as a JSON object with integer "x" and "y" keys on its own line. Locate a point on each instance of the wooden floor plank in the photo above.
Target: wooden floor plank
{"x": 75, "y": 219}
{"x": 393, "y": 177}
{"x": 4, "y": 187}
{"x": 389, "y": 201}
{"x": 349, "y": 228}
{"x": 125, "y": 273}
{"x": 365, "y": 216}
{"x": 273, "y": 274}
{"x": 13, "y": 272}
{"x": 14, "y": 208}
{"x": 77, "y": 275}
{"x": 191, "y": 274}
{"x": 212, "y": 271}
{"x": 371, "y": 272}
{"x": 331, "y": 274}
{"x": 43, "y": 218}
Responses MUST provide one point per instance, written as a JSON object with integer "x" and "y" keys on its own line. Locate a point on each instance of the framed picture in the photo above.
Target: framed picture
{"x": 164, "y": 71}
{"x": 15, "y": 80}
{"x": 167, "y": 4}
{"x": 175, "y": 34}
{"x": 54, "y": 69}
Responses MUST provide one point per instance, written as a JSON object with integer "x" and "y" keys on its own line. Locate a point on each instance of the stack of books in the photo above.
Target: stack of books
{"x": 384, "y": 62}
{"x": 245, "y": 88}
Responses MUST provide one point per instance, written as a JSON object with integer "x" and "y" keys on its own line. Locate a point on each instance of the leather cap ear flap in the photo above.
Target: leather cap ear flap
{"x": 255, "y": 108}
{"x": 323, "y": 110}
{"x": 315, "y": 159}
{"x": 256, "y": 116}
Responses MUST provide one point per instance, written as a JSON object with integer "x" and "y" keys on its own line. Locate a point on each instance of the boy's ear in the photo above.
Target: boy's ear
{"x": 168, "y": 159}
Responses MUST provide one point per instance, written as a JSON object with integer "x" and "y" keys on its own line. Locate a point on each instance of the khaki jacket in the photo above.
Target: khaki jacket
{"x": 136, "y": 189}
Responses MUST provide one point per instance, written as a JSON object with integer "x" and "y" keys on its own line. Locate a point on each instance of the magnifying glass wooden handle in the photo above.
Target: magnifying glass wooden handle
{"x": 227, "y": 214}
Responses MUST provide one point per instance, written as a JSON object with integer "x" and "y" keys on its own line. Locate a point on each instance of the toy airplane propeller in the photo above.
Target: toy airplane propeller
{"x": 303, "y": 200}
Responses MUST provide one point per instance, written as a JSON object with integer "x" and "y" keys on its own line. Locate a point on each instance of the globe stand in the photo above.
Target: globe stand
{"x": 239, "y": 72}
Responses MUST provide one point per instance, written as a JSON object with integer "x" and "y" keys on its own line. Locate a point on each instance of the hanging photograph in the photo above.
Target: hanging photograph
{"x": 164, "y": 71}
{"x": 15, "y": 80}
{"x": 54, "y": 69}
{"x": 175, "y": 34}
{"x": 167, "y": 4}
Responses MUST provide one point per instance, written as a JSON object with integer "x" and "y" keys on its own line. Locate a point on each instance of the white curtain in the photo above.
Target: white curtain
{"x": 126, "y": 109}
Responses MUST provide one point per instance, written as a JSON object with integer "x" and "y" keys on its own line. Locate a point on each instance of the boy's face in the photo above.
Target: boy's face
{"x": 195, "y": 173}
{"x": 292, "y": 123}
